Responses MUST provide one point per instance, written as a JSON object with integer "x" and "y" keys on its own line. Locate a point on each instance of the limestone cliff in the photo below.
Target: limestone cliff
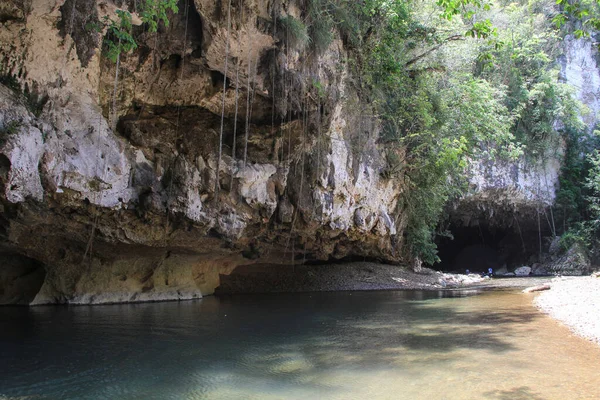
{"x": 92, "y": 214}
{"x": 215, "y": 144}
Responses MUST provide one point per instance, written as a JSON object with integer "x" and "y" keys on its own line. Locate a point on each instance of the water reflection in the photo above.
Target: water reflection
{"x": 460, "y": 344}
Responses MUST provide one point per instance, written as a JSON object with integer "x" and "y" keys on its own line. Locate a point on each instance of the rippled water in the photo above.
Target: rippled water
{"x": 361, "y": 345}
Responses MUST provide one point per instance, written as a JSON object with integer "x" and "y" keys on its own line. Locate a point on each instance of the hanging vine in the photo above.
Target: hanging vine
{"x": 217, "y": 185}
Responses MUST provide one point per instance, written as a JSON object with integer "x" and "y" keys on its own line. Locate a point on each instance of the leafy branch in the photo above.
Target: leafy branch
{"x": 120, "y": 38}
{"x": 120, "y": 30}
{"x": 155, "y": 11}
{"x": 577, "y": 10}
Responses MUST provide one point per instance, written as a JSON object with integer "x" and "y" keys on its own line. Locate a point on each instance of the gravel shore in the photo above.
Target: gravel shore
{"x": 357, "y": 276}
{"x": 574, "y": 301}
{"x": 335, "y": 277}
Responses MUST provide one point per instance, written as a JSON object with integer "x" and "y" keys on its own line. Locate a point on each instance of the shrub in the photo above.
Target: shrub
{"x": 296, "y": 33}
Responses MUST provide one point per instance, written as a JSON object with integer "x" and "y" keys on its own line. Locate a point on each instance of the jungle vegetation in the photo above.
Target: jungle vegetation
{"x": 451, "y": 80}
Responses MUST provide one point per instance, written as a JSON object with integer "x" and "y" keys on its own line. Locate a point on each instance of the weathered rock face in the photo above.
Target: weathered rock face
{"x": 574, "y": 262}
{"x": 92, "y": 214}
{"x": 502, "y": 192}
{"x": 579, "y": 67}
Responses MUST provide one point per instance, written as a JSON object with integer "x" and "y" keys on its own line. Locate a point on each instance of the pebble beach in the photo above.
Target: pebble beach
{"x": 574, "y": 301}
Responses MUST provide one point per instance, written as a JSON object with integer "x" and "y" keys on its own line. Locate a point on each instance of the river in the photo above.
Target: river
{"x": 345, "y": 345}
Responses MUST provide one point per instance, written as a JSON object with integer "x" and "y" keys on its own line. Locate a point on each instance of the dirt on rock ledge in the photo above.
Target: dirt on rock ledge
{"x": 335, "y": 277}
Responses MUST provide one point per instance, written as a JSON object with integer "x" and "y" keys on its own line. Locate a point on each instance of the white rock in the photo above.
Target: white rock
{"x": 24, "y": 150}
{"x": 523, "y": 271}
{"x": 254, "y": 185}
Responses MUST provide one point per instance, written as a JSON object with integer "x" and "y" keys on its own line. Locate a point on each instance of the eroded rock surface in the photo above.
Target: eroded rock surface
{"x": 143, "y": 212}
{"x": 117, "y": 192}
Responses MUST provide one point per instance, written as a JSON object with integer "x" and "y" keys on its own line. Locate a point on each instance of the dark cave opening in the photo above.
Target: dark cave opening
{"x": 21, "y": 278}
{"x": 480, "y": 246}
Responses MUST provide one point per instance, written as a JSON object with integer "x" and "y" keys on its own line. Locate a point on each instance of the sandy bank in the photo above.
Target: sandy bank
{"x": 574, "y": 301}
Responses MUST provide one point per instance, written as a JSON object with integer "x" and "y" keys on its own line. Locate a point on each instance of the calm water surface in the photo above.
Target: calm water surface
{"x": 360, "y": 345}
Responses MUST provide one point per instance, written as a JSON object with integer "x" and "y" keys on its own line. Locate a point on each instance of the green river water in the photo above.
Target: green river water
{"x": 346, "y": 345}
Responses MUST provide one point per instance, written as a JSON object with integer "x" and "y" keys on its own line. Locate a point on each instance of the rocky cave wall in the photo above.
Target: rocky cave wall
{"x": 92, "y": 214}
{"x": 133, "y": 214}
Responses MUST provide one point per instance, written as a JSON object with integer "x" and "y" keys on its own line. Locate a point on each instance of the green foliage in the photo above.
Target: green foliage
{"x": 430, "y": 187}
{"x": 93, "y": 27}
{"x": 542, "y": 109}
{"x": 578, "y": 200}
{"x": 296, "y": 32}
{"x": 119, "y": 38}
{"x": 592, "y": 183}
{"x": 440, "y": 122}
{"x": 570, "y": 205}
{"x": 477, "y": 112}
{"x": 466, "y": 8}
{"x": 318, "y": 86}
{"x": 482, "y": 30}
{"x": 321, "y": 21}
{"x": 580, "y": 234}
{"x": 583, "y": 15}
{"x": 544, "y": 104}
{"x": 445, "y": 100}
{"x": 155, "y": 11}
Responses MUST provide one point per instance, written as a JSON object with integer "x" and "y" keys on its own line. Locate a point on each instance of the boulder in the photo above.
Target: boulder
{"x": 523, "y": 271}
{"x": 538, "y": 270}
{"x": 574, "y": 262}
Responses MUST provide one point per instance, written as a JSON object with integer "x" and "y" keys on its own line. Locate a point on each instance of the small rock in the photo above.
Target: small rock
{"x": 523, "y": 271}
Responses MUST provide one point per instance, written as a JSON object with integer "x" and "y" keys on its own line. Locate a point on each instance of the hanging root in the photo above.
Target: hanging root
{"x": 178, "y": 135}
{"x": 217, "y": 184}
{"x": 89, "y": 248}
{"x": 235, "y": 119}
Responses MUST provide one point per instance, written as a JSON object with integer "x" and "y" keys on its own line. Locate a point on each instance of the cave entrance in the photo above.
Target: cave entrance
{"x": 21, "y": 278}
{"x": 481, "y": 246}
